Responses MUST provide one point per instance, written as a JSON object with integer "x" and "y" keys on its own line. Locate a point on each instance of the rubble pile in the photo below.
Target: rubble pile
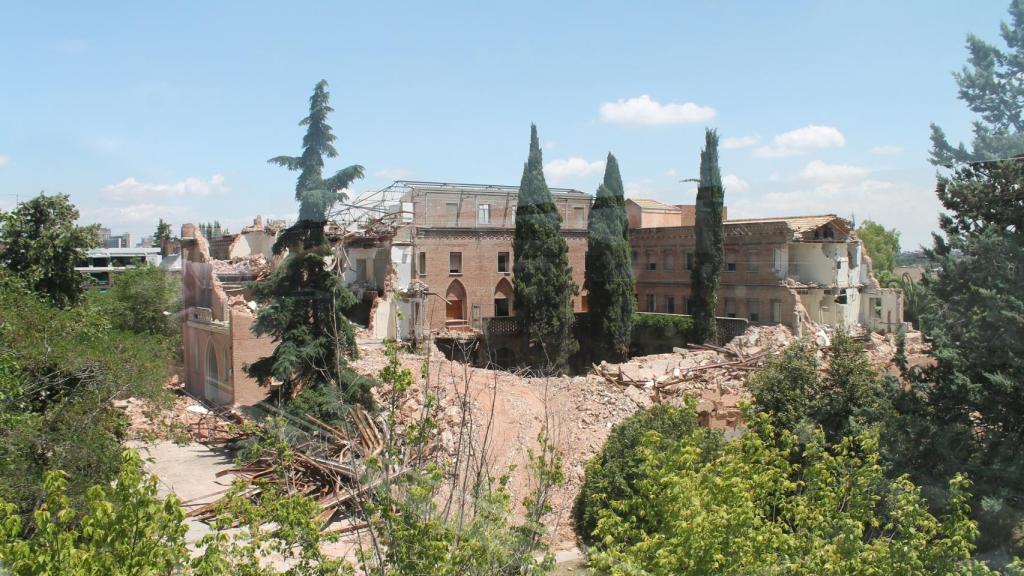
{"x": 183, "y": 420}
{"x": 255, "y": 265}
{"x": 326, "y": 464}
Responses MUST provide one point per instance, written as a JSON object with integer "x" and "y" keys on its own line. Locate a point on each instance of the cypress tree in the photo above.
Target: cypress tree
{"x": 542, "y": 282}
{"x": 302, "y": 303}
{"x": 609, "y": 272}
{"x": 710, "y": 239}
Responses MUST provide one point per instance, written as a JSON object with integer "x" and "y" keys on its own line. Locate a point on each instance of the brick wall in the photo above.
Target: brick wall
{"x": 247, "y": 348}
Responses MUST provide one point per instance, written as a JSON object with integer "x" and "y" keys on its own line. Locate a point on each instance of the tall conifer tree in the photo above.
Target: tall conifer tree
{"x": 710, "y": 237}
{"x": 609, "y": 274}
{"x": 302, "y": 303}
{"x": 542, "y": 283}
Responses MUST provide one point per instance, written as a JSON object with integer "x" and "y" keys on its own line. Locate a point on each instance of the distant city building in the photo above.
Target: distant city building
{"x": 119, "y": 241}
{"x": 103, "y": 264}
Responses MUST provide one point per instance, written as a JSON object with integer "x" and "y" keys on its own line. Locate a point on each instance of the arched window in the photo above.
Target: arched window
{"x": 216, "y": 389}
{"x": 503, "y": 298}
{"x": 456, "y": 297}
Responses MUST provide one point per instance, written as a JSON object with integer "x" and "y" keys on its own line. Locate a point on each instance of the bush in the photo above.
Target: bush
{"x": 659, "y": 333}
{"x": 612, "y": 474}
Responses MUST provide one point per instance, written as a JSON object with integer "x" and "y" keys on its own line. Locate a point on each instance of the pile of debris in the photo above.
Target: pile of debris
{"x": 325, "y": 463}
{"x": 186, "y": 418}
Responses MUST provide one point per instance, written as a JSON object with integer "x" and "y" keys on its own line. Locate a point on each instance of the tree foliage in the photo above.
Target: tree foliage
{"x": 542, "y": 282}
{"x": 883, "y": 245}
{"x": 967, "y": 412}
{"x": 162, "y": 235}
{"x": 612, "y": 475}
{"x": 40, "y": 242}
{"x": 144, "y": 299}
{"x": 611, "y": 289}
{"x": 767, "y": 503}
{"x": 709, "y": 250}
{"x": 845, "y": 400}
{"x": 59, "y": 371}
{"x": 303, "y": 303}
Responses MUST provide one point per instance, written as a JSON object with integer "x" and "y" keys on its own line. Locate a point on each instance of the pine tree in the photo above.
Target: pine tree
{"x": 709, "y": 252}
{"x": 609, "y": 271}
{"x": 542, "y": 283}
{"x": 302, "y": 303}
{"x": 967, "y": 414}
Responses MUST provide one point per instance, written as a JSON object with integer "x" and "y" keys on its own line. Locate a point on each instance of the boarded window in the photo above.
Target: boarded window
{"x": 451, "y": 213}
{"x": 455, "y": 262}
{"x": 670, "y": 263}
{"x": 752, "y": 263}
{"x": 579, "y": 217}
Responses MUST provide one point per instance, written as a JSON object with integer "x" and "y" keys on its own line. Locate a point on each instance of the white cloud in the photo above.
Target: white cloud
{"x": 886, "y": 150}
{"x": 393, "y": 173}
{"x": 818, "y": 171}
{"x": 574, "y": 167}
{"x": 145, "y": 213}
{"x": 734, "y": 183}
{"x": 802, "y": 140}
{"x": 671, "y": 173}
{"x": 643, "y": 110}
{"x": 549, "y": 145}
{"x": 4, "y": 160}
{"x": 740, "y": 142}
{"x": 132, "y": 189}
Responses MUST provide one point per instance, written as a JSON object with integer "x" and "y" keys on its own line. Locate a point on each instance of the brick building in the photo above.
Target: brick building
{"x": 460, "y": 243}
{"x": 647, "y": 213}
{"x": 217, "y": 338}
{"x": 777, "y": 270}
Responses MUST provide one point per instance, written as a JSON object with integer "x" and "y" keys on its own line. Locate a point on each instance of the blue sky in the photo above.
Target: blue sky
{"x": 141, "y": 110}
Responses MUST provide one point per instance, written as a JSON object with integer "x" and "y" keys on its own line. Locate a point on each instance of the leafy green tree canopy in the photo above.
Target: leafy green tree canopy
{"x": 883, "y": 245}
{"x": 40, "y": 242}
{"x": 747, "y": 508}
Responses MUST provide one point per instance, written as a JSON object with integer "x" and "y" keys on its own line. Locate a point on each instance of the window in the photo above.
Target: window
{"x": 650, "y": 302}
{"x": 752, "y": 263}
{"x": 730, "y": 308}
{"x": 689, "y": 305}
{"x": 483, "y": 214}
{"x": 503, "y": 262}
{"x": 776, "y": 313}
{"x": 501, "y": 307}
{"x": 754, "y": 310}
{"x": 876, "y": 308}
{"x": 421, "y": 267}
{"x": 730, "y": 262}
{"x": 652, "y": 264}
{"x": 451, "y": 213}
{"x": 669, "y": 260}
{"x": 455, "y": 262}
{"x": 578, "y": 216}
{"x": 776, "y": 259}
{"x": 670, "y": 304}
{"x": 689, "y": 260}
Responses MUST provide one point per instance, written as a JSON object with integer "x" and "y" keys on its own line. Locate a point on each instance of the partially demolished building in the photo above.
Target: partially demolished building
{"x": 787, "y": 271}
{"x": 217, "y": 335}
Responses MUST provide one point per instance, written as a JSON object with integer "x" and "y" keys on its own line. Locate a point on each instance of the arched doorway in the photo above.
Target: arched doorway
{"x": 503, "y": 298}
{"x": 455, "y": 310}
{"x": 216, "y": 390}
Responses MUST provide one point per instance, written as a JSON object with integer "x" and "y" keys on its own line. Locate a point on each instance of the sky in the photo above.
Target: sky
{"x": 146, "y": 110}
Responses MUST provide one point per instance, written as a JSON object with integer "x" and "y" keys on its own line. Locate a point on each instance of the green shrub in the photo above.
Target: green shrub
{"x": 659, "y": 333}
{"x": 612, "y": 474}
